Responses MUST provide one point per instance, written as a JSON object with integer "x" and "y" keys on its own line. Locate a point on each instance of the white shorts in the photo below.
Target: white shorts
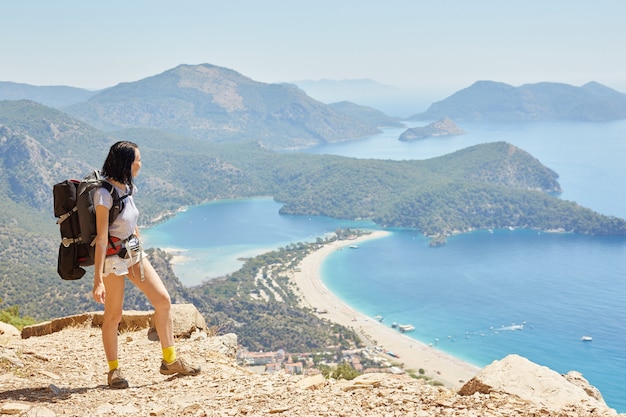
{"x": 119, "y": 266}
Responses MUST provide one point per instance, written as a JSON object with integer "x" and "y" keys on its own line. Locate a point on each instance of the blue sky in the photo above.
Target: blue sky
{"x": 442, "y": 45}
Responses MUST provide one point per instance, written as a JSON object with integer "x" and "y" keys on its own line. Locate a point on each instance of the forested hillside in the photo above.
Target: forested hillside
{"x": 486, "y": 186}
{"x": 220, "y": 105}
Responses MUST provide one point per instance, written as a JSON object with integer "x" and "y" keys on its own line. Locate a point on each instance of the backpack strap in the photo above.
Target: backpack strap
{"x": 64, "y": 216}
{"x": 118, "y": 202}
{"x": 116, "y": 208}
{"x": 67, "y": 241}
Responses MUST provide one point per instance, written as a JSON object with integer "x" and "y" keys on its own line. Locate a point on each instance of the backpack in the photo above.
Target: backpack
{"x": 76, "y": 217}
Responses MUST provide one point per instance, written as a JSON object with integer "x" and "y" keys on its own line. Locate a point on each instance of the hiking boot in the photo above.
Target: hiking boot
{"x": 116, "y": 380}
{"x": 179, "y": 367}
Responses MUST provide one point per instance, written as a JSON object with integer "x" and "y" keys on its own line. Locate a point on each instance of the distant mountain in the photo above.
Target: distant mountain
{"x": 391, "y": 100}
{"x": 493, "y": 101}
{"x": 443, "y": 127}
{"x": 51, "y": 96}
{"x": 367, "y": 115}
{"x": 219, "y": 105}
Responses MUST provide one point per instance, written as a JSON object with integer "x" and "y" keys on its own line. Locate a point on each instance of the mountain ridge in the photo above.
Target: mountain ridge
{"x": 218, "y": 104}
{"x": 497, "y": 101}
{"x": 483, "y": 100}
{"x": 51, "y": 96}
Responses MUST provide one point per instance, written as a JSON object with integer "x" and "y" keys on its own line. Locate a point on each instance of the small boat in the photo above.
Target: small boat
{"x": 390, "y": 353}
{"x": 586, "y": 338}
{"x": 379, "y": 318}
{"x": 512, "y": 327}
{"x": 406, "y": 328}
{"x": 354, "y": 247}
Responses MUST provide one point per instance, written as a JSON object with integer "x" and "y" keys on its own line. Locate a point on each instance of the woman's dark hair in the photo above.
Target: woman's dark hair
{"x": 119, "y": 162}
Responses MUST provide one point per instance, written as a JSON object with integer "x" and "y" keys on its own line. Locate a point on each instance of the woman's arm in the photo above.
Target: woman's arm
{"x": 101, "y": 242}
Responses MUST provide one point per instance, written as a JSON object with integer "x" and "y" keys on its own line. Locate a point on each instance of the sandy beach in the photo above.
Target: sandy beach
{"x": 413, "y": 354}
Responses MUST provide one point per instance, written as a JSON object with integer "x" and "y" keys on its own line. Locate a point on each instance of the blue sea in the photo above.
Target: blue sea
{"x": 470, "y": 297}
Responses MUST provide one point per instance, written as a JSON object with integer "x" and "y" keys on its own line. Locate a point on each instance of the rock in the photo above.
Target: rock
{"x": 132, "y": 320}
{"x": 14, "y": 408}
{"x": 540, "y": 385}
{"x": 158, "y": 411}
{"x": 73, "y": 383}
{"x": 312, "y": 382}
{"x": 48, "y": 327}
{"x": 8, "y": 330}
{"x": 55, "y": 390}
{"x": 374, "y": 379}
{"x": 576, "y": 378}
{"x": 187, "y": 319}
{"x": 10, "y": 356}
{"x": 225, "y": 345}
{"x": 40, "y": 412}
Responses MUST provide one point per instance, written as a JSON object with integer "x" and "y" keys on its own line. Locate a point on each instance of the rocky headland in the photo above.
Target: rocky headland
{"x": 58, "y": 368}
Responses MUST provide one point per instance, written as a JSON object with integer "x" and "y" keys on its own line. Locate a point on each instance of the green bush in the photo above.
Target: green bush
{"x": 11, "y": 315}
{"x": 344, "y": 371}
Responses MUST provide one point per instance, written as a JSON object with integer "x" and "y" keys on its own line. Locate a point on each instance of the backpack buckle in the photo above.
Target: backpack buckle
{"x": 67, "y": 241}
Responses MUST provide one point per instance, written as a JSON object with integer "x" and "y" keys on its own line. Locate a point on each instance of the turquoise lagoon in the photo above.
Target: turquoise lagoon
{"x": 464, "y": 297}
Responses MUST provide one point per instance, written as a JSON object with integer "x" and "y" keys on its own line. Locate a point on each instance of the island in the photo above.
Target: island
{"x": 442, "y": 127}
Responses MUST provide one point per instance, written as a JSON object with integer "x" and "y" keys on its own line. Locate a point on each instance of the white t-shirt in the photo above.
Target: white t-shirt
{"x": 126, "y": 222}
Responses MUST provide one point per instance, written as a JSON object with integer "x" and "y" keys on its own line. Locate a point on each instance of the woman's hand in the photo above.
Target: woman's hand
{"x": 99, "y": 293}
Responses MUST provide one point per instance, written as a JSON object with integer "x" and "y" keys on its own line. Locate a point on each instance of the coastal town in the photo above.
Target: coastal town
{"x": 365, "y": 360}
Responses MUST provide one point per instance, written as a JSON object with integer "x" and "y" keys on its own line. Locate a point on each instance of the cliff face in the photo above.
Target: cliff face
{"x": 64, "y": 373}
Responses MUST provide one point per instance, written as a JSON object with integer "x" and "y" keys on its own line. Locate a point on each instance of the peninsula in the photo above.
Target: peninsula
{"x": 413, "y": 354}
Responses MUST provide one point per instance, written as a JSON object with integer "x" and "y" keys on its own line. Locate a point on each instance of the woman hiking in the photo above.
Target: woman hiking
{"x": 120, "y": 168}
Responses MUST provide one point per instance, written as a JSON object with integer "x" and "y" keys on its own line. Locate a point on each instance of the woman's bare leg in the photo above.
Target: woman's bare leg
{"x": 114, "y": 300}
{"x": 152, "y": 286}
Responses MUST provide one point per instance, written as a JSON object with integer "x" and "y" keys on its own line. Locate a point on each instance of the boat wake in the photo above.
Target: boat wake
{"x": 495, "y": 330}
{"x": 512, "y": 327}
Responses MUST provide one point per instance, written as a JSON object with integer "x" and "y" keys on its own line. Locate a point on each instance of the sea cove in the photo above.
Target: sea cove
{"x": 212, "y": 240}
{"x": 462, "y": 297}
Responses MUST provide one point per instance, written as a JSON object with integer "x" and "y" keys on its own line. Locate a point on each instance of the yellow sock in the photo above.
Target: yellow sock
{"x": 169, "y": 354}
{"x": 113, "y": 365}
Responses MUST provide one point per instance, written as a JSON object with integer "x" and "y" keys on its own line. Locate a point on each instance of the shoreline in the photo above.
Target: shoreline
{"x": 413, "y": 354}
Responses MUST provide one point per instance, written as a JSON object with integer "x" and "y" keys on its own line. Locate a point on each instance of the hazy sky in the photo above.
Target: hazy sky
{"x": 441, "y": 45}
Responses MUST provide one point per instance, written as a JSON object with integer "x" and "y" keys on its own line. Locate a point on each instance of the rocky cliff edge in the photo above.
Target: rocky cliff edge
{"x": 58, "y": 368}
